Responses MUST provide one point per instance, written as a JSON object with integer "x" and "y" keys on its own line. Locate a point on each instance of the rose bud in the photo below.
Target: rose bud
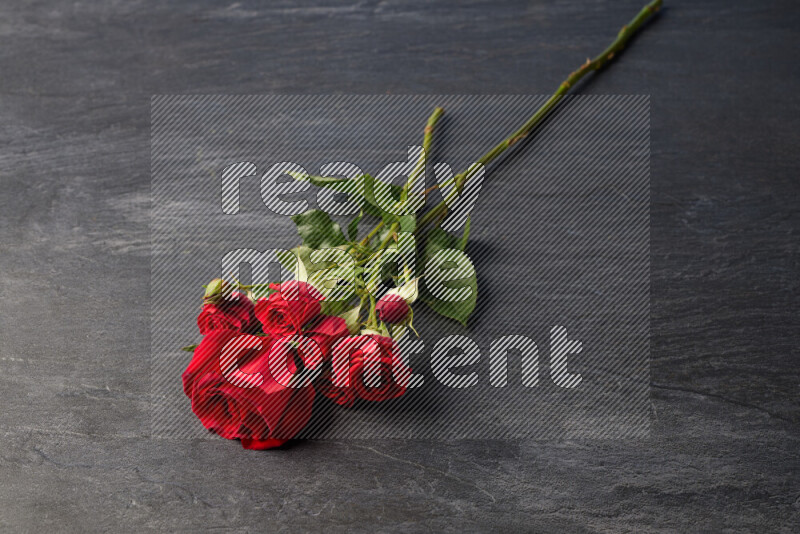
{"x": 234, "y": 312}
{"x": 291, "y": 306}
{"x": 257, "y": 410}
{"x": 216, "y": 289}
{"x": 392, "y": 308}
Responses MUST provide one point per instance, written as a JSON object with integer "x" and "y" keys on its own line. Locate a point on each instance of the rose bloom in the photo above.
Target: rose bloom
{"x": 325, "y": 331}
{"x": 343, "y": 396}
{"x": 391, "y": 308}
{"x": 368, "y": 356}
{"x": 232, "y": 313}
{"x": 312, "y": 347}
{"x": 291, "y": 306}
{"x": 248, "y": 404}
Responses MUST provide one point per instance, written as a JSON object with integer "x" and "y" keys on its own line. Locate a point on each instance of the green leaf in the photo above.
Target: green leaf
{"x": 364, "y": 196}
{"x": 326, "y": 181}
{"x": 351, "y": 319}
{"x": 350, "y": 186}
{"x": 318, "y": 230}
{"x": 332, "y": 307}
{"x": 319, "y": 181}
{"x": 327, "y": 281}
{"x": 460, "y": 311}
{"x": 395, "y": 191}
{"x": 367, "y": 201}
{"x": 352, "y": 228}
{"x": 437, "y": 240}
{"x": 190, "y": 348}
{"x": 373, "y": 208}
{"x": 296, "y": 261}
{"x": 408, "y": 223}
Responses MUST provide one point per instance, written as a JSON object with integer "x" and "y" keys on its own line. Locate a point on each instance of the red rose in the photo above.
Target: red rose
{"x": 391, "y": 308}
{"x": 226, "y": 313}
{"x": 291, "y": 306}
{"x": 343, "y": 396}
{"x": 234, "y": 395}
{"x": 370, "y": 356}
{"x": 313, "y": 346}
{"x": 326, "y": 331}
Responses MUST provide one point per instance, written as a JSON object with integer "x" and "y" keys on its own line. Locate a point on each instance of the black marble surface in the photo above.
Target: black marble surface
{"x": 75, "y": 85}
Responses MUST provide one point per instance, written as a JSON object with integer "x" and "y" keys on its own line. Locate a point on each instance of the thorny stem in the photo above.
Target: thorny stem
{"x": 372, "y": 321}
{"x": 391, "y": 234}
{"x": 371, "y": 234}
{"x": 427, "y": 140}
{"x": 597, "y": 63}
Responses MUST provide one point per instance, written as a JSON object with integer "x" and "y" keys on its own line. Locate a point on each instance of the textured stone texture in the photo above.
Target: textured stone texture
{"x": 74, "y": 329}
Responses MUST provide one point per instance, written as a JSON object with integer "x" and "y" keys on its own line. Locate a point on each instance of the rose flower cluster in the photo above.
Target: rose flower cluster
{"x": 261, "y": 363}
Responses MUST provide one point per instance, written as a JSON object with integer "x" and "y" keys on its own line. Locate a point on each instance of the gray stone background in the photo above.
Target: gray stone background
{"x": 75, "y": 87}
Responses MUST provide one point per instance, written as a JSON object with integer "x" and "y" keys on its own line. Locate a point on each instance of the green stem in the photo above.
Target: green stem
{"x": 597, "y": 63}
{"x": 427, "y": 140}
{"x": 374, "y": 231}
{"x": 389, "y": 235}
{"x": 372, "y": 320}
